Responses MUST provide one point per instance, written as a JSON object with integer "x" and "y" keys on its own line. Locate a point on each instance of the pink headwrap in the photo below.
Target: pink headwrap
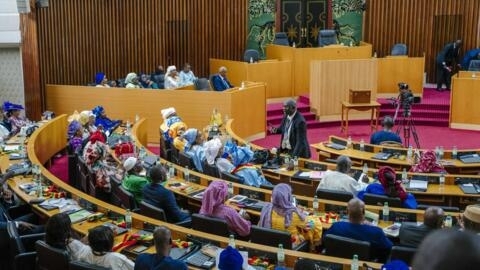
{"x": 214, "y": 196}
{"x": 386, "y": 185}
{"x": 428, "y": 163}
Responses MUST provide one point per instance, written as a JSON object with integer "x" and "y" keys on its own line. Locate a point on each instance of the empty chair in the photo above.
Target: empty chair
{"x": 210, "y": 225}
{"x": 127, "y": 200}
{"x": 281, "y": 38}
{"x": 272, "y": 237}
{"x": 251, "y": 55}
{"x": 185, "y": 160}
{"x": 474, "y": 65}
{"x": 202, "y": 84}
{"x": 403, "y": 253}
{"x": 344, "y": 247}
{"x": 327, "y": 37}
{"x": 50, "y": 258}
{"x": 211, "y": 170}
{"x": 76, "y": 265}
{"x": 399, "y": 49}
{"x": 375, "y": 199}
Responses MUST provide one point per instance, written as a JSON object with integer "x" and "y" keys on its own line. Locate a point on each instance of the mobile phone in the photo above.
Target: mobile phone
{"x": 140, "y": 249}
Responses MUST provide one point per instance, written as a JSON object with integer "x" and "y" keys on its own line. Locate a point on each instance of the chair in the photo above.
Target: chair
{"x": 202, "y": 84}
{"x": 174, "y": 155}
{"x": 77, "y": 265}
{"x": 231, "y": 177}
{"x": 210, "y": 225}
{"x": 72, "y": 167}
{"x": 185, "y": 160}
{"x": 272, "y": 237}
{"x": 344, "y": 247}
{"x": 334, "y": 195}
{"x": 211, "y": 170}
{"x": 403, "y": 253}
{"x": 50, "y": 258}
{"x": 443, "y": 207}
{"x": 281, "y": 38}
{"x": 399, "y": 49}
{"x": 22, "y": 247}
{"x": 327, "y": 37}
{"x": 165, "y": 149}
{"x": 127, "y": 200}
{"x": 375, "y": 199}
{"x": 391, "y": 144}
{"x": 152, "y": 211}
{"x": 474, "y": 65}
{"x": 251, "y": 55}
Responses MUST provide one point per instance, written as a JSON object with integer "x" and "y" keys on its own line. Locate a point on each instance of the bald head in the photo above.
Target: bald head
{"x": 162, "y": 238}
{"x": 356, "y": 210}
{"x": 343, "y": 164}
{"x": 433, "y": 217}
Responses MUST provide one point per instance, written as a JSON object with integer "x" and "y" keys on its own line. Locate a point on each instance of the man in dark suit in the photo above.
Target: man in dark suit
{"x": 446, "y": 59}
{"x": 411, "y": 234}
{"x": 294, "y": 131}
{"x": 220, "y": 81}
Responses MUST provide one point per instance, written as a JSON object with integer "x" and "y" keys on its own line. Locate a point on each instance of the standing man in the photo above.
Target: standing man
{"x": 294, "y": 131}
{"x": 446, "y": 59}
{"x": 220, "y": 81}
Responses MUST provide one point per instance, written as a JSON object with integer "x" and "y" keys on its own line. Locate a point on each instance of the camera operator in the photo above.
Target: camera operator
{"x": 405, "y": 98}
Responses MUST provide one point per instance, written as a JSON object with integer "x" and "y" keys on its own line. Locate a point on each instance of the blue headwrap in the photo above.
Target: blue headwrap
{"x": 97, "y": 111}
{"x": 99, "y": 77}
{"x": 395, "y": 265}
{"x": 73, "y": 127}
{"x": 238, "y": 154}
{"x": 8, "y": 106}
{"x": 230, "y": 259}
{"x": 190, "y": 135}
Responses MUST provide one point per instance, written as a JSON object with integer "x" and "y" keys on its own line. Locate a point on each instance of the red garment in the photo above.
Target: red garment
{"x": 385, "y": 182}
{"x": 428, "y": 163}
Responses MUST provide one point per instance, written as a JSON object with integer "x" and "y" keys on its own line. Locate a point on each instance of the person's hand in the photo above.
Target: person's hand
{"x": 272, "y": 129}
{"x": 22, "y": 225}
{"x": 245, "y": 215}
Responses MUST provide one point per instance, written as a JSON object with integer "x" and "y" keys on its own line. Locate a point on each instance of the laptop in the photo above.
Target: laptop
{"x": 382, "y": 156}
{"x": 335, "y": 146}
{"x": 470, "y": 188}
{"x": 470, "y": 158}
{"x": 417, "y": 185}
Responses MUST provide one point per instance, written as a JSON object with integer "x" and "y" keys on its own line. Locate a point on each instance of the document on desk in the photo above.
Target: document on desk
{"x": 312, "y": 174}
{"x": 418, "y": 185}
{"x": 11, "y": 147}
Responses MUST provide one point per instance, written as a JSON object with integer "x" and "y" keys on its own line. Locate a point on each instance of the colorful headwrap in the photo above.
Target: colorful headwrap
{"x": 211, "y": 149}
{"x": 190, "y": 135}
{"x": 230, "y": 259}
{"x": 85, "y": 117}
{"x": 238, "y": 154}
{"x": 281, "y": 204}
{"x": 97, "y": 111}
{"x": 130, "y": 77}
{"x": 428, "y": 163}
{"x": 395, "y": 265}
{"x": 73, "y": 127}
{"x": 385, "y": 184}
{"x": 97, "y": 136}
{"x": 99, "y": 77}
{"x": 214, "y": 196}
{"x": 8, "y": 106}
{"x": 74, "y": 117}
{"x": 167, "y": 112}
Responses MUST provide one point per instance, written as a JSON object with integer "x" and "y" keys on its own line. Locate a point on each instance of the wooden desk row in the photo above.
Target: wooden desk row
{"x": 57, "y": 128}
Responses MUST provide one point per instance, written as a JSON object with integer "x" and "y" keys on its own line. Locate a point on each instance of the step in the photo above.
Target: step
{"x": 277, "y": 119}
{"x": 277, "y": 108}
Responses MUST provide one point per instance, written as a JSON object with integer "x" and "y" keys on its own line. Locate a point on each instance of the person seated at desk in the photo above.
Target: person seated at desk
{"x": 87, "y": 119}
{"x": 101, "y": 80}
{"x": 411, "y": 234}
{"x": 171, "y": 78}
{"x": 172, "y": 125}
{"x": 162, "y": 238}
{"x": 191, "y": 143}
{"x": 230, "y": 259}
{"x": 386, "y": 134}
{"x": 236, "y": 160}
{"x": 101, "y": 119}
{"x": 75, "y": 136}
{"x": 220, "y": 81}
{"x": 157, "y": 195}
{"x": 357, "y": 228}
{"x": 213, "y": 205}
{"x": 158, "y": 76}
{"x": 340, "y": 180}
{"x": 186, "y": 75}
{"x": 131, "y": 81}
{"x": 212, "y": 149}
{"x": 58, "y": 234}
{"x": 470, "y": 219}
{"x": 391, "y": 187}
{"x": 282, "y": 215}
{"x": 133, "y": 181}
{"x": 428, "y": 164}
{"x": 12, "y": 113}
{"x": 99, "y": 251}
{"x": 146, "y": 83}
{"x": 5, "y": 125}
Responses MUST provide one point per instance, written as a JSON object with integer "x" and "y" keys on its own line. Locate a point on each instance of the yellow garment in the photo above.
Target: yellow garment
{"x": 179, "y": 143}
{"x": 216, "y": 119}
{"x": 309, "y": 229}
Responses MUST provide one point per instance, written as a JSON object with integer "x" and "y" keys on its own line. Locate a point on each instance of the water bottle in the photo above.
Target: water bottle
{"x": 315, "y": 204}
{"x": 128, "y": 220}
{"x": 362, "y": 145}
{"x": 295, "y": 163}
{"x": 441, "y": 179}
{"x": 230, "y": 189}
{"x": 231, "y": 241}
{"x": 186, "y": 174}
{"x": 251, "y": 60}
{"x": 39, "y": 188}
{"x": 454, "y": 152}
{"x": 365, "y": 168}
{"x": 293, "y": 45}
{"x": 142, "y": 153}
{"x": 354, "y": 265}
{"x": 448, "y": 221}
{"x": 385, "y": 211}
{"x": 349, "y": 142}
{"x": 294, "y": 200}
{"x": 280, "y": 257}
{"x": 374, "y": 54}
{"x": 437, "y": 152}
{"x": 171, "y": 171}
{"x": 128, "y": 131}
{"x": 404, "y": 175}
{"x": 409, "y": 153}
{"x": 440, "y": 152}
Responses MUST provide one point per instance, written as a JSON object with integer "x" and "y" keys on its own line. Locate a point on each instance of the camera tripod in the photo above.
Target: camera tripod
{"x": 406, "y": 122}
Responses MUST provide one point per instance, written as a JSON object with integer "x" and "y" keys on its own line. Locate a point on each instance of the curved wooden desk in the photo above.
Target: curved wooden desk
{"x": 50, "y": 139}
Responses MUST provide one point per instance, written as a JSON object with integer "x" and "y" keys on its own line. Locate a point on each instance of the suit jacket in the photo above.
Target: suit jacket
{"x": 448, "y": 54}
{"x": 297, "y": 137}
{"x": 218, "y": 83}
{"x": 412, "y": 234}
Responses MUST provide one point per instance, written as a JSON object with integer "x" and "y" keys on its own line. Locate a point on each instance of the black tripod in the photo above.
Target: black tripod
{"x": 408, "y": 126}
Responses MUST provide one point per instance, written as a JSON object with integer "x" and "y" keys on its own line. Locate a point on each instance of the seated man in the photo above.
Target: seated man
{"x": 157, "y": 195}
{"x": 162, "y": 237}
{"x": 340, "y": 180}
{"x": 220, "y": 81}
{"x": 470, "y": 219}
{"x": 386, "y": 134}
{"x": 133, "y": 181}
{"x": 412, "y": 234}
{"x": 356, "y": 228}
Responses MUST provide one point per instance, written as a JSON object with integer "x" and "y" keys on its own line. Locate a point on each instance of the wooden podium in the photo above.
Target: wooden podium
{"x": 464, "y": 100}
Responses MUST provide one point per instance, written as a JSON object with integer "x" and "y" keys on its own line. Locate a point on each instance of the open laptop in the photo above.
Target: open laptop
{"x": 470, "y": 158}
{"x": 417, "y": 185}
{"x": 335, "y": 146}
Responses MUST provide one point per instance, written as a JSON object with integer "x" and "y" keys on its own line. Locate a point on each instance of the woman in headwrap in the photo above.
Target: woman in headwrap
{"x": 101, "y": 119}
{"x": 191, "y": 143}
{"x": 212, "y": 148}
{"x": 391, "y": 187}
{"x": 171, "y": 78}
{"x": 75, "y": 136}
{"x": 213, "y": 205}
{"x": 12, "y": 113}
{"x": 146, "y": 82}
{"x": 428, "y": 164}
{"x": 282, "y": 215}
{"x": 172, "y": 125}
{"x": 131, "y": 81}
{"x": 87, "y": 119}
{"x": 101, "y": 80}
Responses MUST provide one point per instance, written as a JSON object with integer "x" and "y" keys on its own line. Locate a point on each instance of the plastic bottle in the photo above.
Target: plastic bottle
{"x": 128, "y": 131}
{"x": 374, "y": 54}
{"x": 230, "y": 189}
{"x": 404, "y": 174}
{"x": 349, "y": 142}
{"x": 142, "y": 153}
{"x": 171, "y": 171}
{"x": 441, "y": 179}
{"x": 448, "y": 221}
{"x": 454, "y": 152}
{"x": 251, "y": 60}
{"x": 362, "y": 145}
{"x": 128, "y": 220}
{"x": 440, "y": 152}
{"x": 295, "y": 163}
{"x": 294, "y": 200}
{"x": 231, "y": 241}
{"x": 280, "y": 257}
{"x": 365, "y": 168}
{"x": 354, "y": 265}
{"x": 315, "y": 204}
{"x": 186, "y": 174}
{"x": 385, "y": 212}
{"x": 293, "y": 45}
{"x": 437, "y": 152}
{"x": 409, "y": 153}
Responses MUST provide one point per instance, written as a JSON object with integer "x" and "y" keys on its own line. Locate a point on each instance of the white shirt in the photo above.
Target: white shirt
{"x": 286, "y": 132}
{"x": 187, "y": 78}
{"x": 339, "y": 181}
{"x": 112, "y": 260}
{"x": 170, "y": 82}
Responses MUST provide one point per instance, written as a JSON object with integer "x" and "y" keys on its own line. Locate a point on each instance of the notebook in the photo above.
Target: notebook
{"x": 382, "y": 156}
{"x": 79, "y": 215}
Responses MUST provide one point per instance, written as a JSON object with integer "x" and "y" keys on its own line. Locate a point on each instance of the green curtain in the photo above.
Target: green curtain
{"x": 347, "y": 20}
{"x": 261, "y": 25}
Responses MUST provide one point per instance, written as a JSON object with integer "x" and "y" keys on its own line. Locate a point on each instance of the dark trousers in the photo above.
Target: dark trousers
{"x": 443, "y": 76}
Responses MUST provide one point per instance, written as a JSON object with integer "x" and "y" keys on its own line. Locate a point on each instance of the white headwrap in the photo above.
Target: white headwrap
{"x": 211, "y": 149}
